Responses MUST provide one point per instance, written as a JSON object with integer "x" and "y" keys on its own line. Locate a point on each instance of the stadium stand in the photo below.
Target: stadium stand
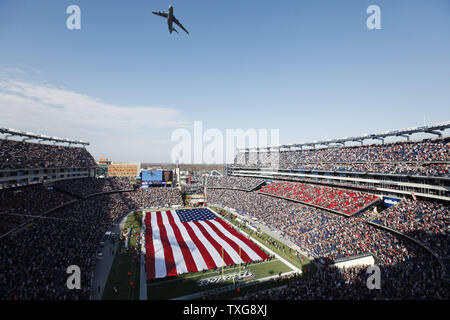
{"x": 48, "y": 226}
{"x": 35, "y": 257}
{"x": 339, "y": 200}
{"x": 399, "y": 282}
{"x": 20, "y": 155}
{"x": 18, "y": 204}
{"x": 157, "y": 197}
{"x": 425, "y": 221}
{"x": 44, "y": 229}
{"x": 227, "y": 182}
{"x": 328, "y": 237}
{"x": 408, "y": 240}
{"x": 87, "y": 186}
{"x": 428, "y": 158}
{"x": 25, "y": 162}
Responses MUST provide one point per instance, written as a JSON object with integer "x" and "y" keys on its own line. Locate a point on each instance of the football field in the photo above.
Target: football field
{"x": 207, "y": 282}
{"x": 126, "y": 278}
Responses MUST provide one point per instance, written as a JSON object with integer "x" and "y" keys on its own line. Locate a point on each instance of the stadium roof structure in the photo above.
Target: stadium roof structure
{"x": 33, "y": 136}
{"x": 405, "y": 133}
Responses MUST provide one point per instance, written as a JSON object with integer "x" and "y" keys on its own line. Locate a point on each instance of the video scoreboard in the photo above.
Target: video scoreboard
{"x": 156, "y": 177}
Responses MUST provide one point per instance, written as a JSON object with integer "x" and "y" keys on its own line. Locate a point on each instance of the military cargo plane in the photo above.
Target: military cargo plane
{"x": 170, "y": 19}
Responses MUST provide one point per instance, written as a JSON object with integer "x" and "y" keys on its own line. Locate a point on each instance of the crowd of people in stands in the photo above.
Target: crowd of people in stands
{"x": 35, "y": 256}
{"x": 17, "y": 204}
{"x": 414, "y": 277}
{"x": 36, "y": 251}
{"x": 157, "y": 197}
{"x": 318, "y": 232}
{"x": 325, "y": 180}
{"x": 344, "y": 201}
{"x": 24, "y": 155}
{"x": 88, "y": 186}
{"x": 328, "y": 237}
{"x": 425, "y": 221}
{"x": 441, "y": 169}
{"x": 428, "y": 157}
{"x": 229, "y": 182}
{"x": 34, "y": 259}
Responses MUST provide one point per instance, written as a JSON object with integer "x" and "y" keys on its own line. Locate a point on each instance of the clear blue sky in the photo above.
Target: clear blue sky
{"x": 309, "y": 68}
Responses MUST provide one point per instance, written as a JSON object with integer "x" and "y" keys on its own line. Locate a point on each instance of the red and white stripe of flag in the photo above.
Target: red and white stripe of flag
{"x": 174, "y": 247}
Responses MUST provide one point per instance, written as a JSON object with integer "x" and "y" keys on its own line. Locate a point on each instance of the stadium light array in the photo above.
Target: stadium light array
{"x": 33, "y": 136}
{"x": 431, "y": 129}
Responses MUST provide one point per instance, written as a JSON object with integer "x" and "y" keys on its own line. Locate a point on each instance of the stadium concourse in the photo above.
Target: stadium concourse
{"x": 48, "y": 224}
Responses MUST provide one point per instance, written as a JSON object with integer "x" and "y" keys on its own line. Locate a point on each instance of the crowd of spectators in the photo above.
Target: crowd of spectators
{"x": 344, "y": 201}
{"x": 33, "y": 260}
{"x": 320, "y": 233}
{"x": 34, "y": 257}
{"x": 25, "y": 155}
{"x": 325, "y": 180}
{"x": 328, "y": 237}
{"x": 157, "y": 197}
{"x": 428, "y": 157}
{"x": 87, "y": 186}
{"x": 425, "y": 221}
{"x": 229, "y": 182}
{"x": 425, "y": 169}
{"x": 415, "y": 277}
{"x": 16, "y": 204}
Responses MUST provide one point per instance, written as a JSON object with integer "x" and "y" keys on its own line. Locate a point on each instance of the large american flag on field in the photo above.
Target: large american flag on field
{"x": 191, "y": 240}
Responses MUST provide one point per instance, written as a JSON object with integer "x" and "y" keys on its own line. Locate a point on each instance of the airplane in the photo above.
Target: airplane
{"x": 170, "y": 19}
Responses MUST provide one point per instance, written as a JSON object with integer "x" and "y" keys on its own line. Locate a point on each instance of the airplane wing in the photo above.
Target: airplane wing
{"x": 161, "y": 14}
{"x": 179, "y": 24}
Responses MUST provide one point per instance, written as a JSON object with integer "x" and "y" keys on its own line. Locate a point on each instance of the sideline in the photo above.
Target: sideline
{"x": 104, "y": 263}
{"x": 143, "y": 278}
{"x": 206, "y": 273}
{"x": 231, "y": 287}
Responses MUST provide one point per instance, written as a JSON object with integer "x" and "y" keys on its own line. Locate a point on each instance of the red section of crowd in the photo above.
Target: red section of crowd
{"x": 340, "y": 200}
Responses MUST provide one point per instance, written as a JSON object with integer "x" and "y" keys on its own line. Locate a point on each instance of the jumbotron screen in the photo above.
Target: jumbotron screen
{"x": 151, "y": 176}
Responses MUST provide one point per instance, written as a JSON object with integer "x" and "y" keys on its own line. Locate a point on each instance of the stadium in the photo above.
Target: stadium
{"x": 307, "y": 228}
{"x": 247, "y": 156}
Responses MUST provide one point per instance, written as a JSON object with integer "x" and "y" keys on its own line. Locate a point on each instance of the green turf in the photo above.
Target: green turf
{"x": 187, "y": 284}
{"x": 125, "y": 270}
